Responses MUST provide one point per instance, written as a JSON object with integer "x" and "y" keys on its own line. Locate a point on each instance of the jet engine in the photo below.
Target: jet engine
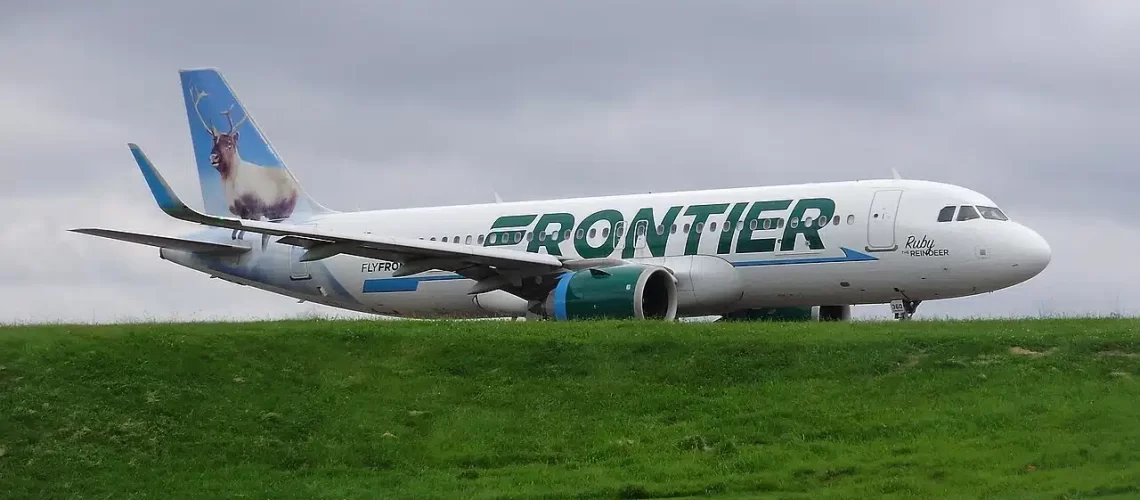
{"x": 628, "y": 291}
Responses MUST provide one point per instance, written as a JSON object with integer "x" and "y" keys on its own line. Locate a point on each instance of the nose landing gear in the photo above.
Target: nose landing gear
{"x": 904, "y": 309}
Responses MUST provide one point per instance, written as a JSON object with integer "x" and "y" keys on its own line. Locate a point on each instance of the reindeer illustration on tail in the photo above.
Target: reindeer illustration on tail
{"x": 252, "y": 191}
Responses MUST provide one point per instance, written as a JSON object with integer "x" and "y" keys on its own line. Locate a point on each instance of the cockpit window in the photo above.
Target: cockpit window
{"x": 992, "y": 213}
{"x": 946, "y": 214}
{"x": 967, "y": 212}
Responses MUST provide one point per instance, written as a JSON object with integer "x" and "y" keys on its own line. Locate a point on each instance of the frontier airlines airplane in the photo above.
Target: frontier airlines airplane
{"x": 807, "y": 251}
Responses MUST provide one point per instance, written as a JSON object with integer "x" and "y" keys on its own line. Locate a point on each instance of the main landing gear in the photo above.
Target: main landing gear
{"x": 904, "y": 309}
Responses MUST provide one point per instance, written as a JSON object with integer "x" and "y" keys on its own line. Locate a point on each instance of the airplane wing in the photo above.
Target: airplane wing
{"x": 492, "y": 268}
{"x": 204, "y": 247}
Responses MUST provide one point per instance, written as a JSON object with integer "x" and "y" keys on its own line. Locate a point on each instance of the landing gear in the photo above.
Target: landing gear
{"x": 904, "y": 309}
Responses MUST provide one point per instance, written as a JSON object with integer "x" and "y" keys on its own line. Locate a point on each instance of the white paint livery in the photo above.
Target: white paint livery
{"x": 888, "y": 241}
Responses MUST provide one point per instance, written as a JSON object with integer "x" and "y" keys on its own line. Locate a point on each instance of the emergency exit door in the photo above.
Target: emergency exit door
{"x": 640, "y": 235}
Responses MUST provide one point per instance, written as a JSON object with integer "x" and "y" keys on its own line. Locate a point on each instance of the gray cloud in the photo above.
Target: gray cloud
{"x": 391, "y": 104}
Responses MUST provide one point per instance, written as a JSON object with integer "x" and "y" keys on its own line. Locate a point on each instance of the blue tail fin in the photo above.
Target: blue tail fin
{"x": 240, "y": 172}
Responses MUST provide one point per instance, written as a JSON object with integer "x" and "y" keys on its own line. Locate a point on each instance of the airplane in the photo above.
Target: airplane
{"x": 789, "y": 252}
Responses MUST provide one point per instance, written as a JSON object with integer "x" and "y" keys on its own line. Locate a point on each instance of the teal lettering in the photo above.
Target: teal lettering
{"x": 826, "y": 208}
{"x": 700, "y": 214}
{"x": 730, "y": 228}
{"x": 745, "y": 243}
{"x": 515, "y": 230}
{"x": 550, "y": 242}
{"x": 606, "y": 247}
{"x": 501, "y": 238}
{"x": 508, "y": 221}
{"x": 654, "y": 240}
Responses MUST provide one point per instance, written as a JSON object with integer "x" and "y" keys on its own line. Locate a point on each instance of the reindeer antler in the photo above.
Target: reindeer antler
{"x": 198, "y": 95}
{"x": 229, "y": 116}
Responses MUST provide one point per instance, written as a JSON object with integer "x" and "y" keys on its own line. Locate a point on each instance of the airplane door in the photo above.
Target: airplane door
{"x": 298, "y": 270}
{"x": 616, "y": 236}
{"x": 881, "y": 221}
{"x": 640, "y": 235}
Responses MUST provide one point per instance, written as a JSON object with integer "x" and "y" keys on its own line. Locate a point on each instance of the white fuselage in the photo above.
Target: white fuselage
{"x": 883, "y": 241}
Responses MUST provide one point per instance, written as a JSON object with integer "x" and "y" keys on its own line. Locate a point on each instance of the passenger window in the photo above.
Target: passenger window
{"x": 579, "y": 233}
{"x": 794, "y": 222}
{"x": 807, "y": 222}
{"x": 946, "y": 214}
{"x": 993, "y": 213}
{"x": 660, "y": 229}
{"x": 967, "y": 213}
{"x": 850, "y": 219}
{"x": 779, "y": 222}
{"x": 467, "y": 240}
{"x": 593, "y": 232}
{"x": 480, "y": 239}
{"x": 605, "y": 232}
{"x": 699, "y": 227}
{"x": 455, "y": 239}
{"x": 835, "y": 220}
{"x": 686, "y": 229}
{"x": 433, "y": 238}
{"x": 566, "y": 235}
{"x": 529, "y": 236}
{"x": 712, "y": 227}
{"x": 673, "y": 229}
{"x": 822, "y": 221}
{"x": 541, "y": 236}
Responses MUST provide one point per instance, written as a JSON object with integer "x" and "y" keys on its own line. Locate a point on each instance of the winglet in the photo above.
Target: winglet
{"x": 167, "y": 200}
{"x": 895, "y": 173}
{"x": 163, "y": 195}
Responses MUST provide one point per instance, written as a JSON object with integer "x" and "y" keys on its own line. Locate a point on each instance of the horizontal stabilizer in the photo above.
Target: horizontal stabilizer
{"x": 394, "y": 248}
{"x": 166, "y": 242}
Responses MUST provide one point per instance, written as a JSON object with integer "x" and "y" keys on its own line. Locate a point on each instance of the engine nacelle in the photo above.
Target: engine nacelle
{"x": 630, "y": 291}
{"x": 813, "y": 313}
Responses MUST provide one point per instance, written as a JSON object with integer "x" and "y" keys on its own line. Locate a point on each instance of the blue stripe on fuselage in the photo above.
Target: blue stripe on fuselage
{"x": 409, "y": 284}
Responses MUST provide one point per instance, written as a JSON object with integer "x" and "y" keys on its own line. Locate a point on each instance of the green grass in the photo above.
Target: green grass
{"x": 356, "y": 409}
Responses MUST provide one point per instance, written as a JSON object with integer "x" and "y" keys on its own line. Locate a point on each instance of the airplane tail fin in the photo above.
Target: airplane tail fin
{"x": 240, "y": 172}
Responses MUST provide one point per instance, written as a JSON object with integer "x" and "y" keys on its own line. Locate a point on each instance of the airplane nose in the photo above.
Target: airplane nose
{"x": 1035, "y": 253}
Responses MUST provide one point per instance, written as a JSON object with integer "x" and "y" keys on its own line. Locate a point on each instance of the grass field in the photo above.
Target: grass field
{"x": 356, "y": 409}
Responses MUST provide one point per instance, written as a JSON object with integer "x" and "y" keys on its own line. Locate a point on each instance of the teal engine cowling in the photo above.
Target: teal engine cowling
{"x": 630, "y": 291}
{"x": 806, "y": 313}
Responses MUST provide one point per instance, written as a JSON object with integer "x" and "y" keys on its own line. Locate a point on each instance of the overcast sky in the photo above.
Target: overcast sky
{"x": 394, "y": 104}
